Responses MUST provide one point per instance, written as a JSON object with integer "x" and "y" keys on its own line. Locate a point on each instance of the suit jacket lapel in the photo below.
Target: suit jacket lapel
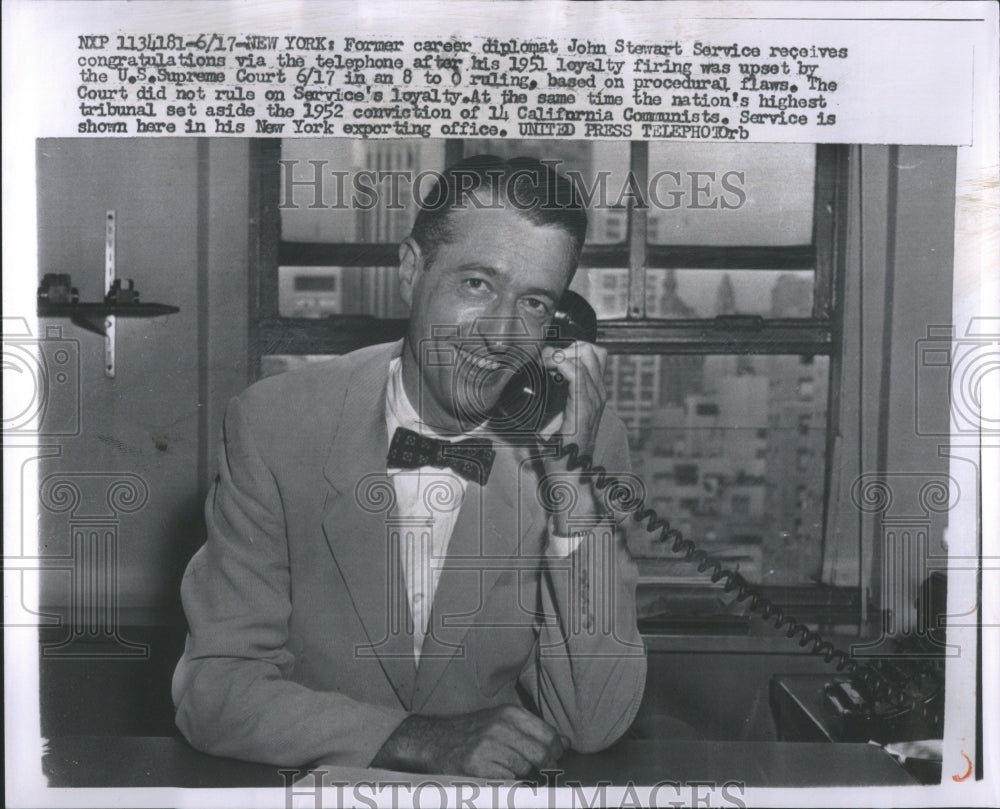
{"x": 357, "y": 526}
{"x": 487, "y": 535}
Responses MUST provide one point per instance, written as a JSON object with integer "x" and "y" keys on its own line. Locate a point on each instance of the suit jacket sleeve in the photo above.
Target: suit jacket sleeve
{"x": 231, "y": 687}
{"x": 588, "y": 675}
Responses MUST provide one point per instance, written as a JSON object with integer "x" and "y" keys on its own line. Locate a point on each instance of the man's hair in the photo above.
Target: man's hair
{"x": 532, "y": 188}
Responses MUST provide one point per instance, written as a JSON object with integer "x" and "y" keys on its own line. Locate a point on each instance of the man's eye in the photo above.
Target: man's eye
{"x": 537, "y": 305}
{"x": 476, "y": 284}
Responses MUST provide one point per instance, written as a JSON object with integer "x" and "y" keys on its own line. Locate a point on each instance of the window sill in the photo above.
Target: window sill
{"x": 702, "y": 617}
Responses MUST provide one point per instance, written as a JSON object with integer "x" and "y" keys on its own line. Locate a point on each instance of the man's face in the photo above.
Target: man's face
{"x": 476, "y": 310}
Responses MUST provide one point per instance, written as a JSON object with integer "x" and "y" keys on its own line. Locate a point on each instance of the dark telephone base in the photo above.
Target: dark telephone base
{"x": 916, "y": 671}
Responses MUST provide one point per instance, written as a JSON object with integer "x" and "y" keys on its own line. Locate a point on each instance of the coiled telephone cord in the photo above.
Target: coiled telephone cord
{"x": 865, "y": 676}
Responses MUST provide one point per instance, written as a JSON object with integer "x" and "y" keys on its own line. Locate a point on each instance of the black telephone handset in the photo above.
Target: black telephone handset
{"x": 536, "y": 395}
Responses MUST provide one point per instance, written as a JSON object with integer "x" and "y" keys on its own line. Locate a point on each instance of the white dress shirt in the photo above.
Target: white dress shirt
{"x": 428, "y": 500}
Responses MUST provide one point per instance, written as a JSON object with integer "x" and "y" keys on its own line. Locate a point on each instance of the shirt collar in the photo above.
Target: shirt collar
{"x": 400, "y": 412}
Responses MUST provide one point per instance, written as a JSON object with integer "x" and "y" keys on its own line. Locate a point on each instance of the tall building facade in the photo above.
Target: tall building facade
{"x": 731, "y": 447}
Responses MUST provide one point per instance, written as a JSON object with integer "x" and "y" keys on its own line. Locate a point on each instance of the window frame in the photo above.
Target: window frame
{"x": 633, "y": 334}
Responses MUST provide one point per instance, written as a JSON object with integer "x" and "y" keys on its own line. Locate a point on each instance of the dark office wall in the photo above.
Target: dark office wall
{"x": 182, "y": 234}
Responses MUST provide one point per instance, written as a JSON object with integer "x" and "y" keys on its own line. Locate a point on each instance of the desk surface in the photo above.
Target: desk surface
{"x": 162, "y": 761}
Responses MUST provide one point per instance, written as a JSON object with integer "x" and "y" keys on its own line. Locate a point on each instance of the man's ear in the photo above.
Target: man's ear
{"x": 411, "y": 262}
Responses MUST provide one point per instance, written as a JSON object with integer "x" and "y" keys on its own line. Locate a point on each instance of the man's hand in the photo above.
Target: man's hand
{"x": 583, "y": 366}
{"x": 506, "y": 742}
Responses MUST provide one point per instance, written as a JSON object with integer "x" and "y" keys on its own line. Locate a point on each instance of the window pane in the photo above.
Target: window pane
{"x": 324, "y": 291}
{"x": 605, "y": 290}
{"x": 349, "y": 190}
{"x": 597, "y": 167}
{"x": 701, "y": 293}
{"x": 731, "y": 194}
{"x": 732, "y": 452}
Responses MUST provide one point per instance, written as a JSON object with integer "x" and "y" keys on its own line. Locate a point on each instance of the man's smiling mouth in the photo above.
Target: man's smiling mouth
{"x": 480, "y": 359}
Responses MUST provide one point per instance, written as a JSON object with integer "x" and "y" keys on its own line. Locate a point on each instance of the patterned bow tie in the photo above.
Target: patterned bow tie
{"x": 472, "y": 458}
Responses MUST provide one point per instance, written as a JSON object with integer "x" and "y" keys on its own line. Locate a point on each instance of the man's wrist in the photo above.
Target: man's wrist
{"x": 561, "y": 545}
{"x": 567, "y": 532}
{"x": 404, "y": 750}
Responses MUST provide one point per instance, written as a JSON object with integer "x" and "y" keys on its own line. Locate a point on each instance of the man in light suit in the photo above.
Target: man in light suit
{"x": 431, "y": 609}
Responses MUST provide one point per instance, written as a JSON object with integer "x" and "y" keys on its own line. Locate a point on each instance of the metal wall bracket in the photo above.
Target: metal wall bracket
{"x": 57, "y": 297}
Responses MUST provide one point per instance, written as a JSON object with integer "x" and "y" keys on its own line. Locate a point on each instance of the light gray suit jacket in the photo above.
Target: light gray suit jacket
{"x": 299, "y": 647}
